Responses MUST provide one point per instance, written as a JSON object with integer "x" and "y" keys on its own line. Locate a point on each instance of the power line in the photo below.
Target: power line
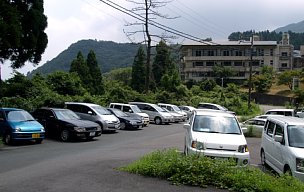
{"x": 153, "y": 23}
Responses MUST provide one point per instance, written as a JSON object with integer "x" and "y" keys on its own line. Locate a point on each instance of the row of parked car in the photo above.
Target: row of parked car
{"x": 83, "y": 120}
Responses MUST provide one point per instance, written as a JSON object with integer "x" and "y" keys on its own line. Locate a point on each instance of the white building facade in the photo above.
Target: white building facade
{"x": 198, "y": 59}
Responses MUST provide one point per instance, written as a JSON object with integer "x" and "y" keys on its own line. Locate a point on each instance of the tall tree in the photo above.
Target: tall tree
{"x": 96, "y": 84}
{"x": 80, "y": 67}
{"x": 22, "y": 36}
{"x": 138, "y": 70}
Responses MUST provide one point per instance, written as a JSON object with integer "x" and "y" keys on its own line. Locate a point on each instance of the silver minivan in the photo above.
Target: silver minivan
{"x": 282, "y": 146}
{"x": 156, "y": 114}
{"x": 96, "y": 113}
{"x": 128, "y": 108}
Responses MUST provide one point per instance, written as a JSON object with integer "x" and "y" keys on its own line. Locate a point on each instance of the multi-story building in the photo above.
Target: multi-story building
{"x": 199, "y": 58}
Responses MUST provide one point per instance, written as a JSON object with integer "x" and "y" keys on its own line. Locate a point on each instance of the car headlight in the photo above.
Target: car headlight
{"x": 17, "y": 129}
{"x": 98, "y": 128}
{"x": 243, "y": 149}
{"x": 42, "y": 129}
{"x": 300, "y": 165}
{"x": 197, "y": 145}
{"x": 79, "y": 129}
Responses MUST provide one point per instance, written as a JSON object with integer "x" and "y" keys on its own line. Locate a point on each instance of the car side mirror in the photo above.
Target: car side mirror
{"x": 186, "y": 126}
{"x": 278, "y": 138}
{"x": 244, "y": 129}
{"x": 1, "y": 119}
{"x": 130, "y": 111}
{"x": 90, "y": 112}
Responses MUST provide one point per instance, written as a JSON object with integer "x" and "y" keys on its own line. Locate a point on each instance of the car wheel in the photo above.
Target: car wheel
{"x": 38, "y": 141}
{"x": 158, "y": 120}
{"x": 263, "y": 158}
{"x": 287, "y": 171}
{"x": 122, "y": 125}
{"x": 7, "y": 139}
{"x": 65, "y": 135}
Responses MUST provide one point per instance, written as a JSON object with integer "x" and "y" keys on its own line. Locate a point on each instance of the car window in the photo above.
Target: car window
{"x": 135, "y": 109}
{"x": 296, "y": 135}
{"x": 270, "y": 128}
{"x": 126, "y": 108}
{"x": 216, "y": 124}
{"x": 48, "y": 113}
{"x": 66, "y": 114}
{"x": 2, "y": 117}
{"x": 100, "y": 110}
{"x": 288, "y": 113}
{"x": 279, "y": 130}
{"x": 74, "y": 107}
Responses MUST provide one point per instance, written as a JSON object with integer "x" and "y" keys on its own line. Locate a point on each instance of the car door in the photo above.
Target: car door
{"x": 267, "y": 141}
{"x": 278, "y": 148}
{"x": 50, "y": 123}
{"x": 3, "y": 123}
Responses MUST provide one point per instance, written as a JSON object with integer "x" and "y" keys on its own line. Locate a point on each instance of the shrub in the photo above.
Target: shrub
{"x": 203, "y": 171}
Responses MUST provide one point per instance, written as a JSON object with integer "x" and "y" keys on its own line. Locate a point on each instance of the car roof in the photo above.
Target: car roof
{"x": 82, "y": 103}
{"x": 10, "y": 109}
{"x": 124, "y": 104}
{"x": 281, "y": 109}
{"x": 166, "y": 104}
{"x": 288, "y": 120}
{"x": 212, "y": 112}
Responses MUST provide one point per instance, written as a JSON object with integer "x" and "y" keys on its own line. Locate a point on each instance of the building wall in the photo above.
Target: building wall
{"x": 198, "y": 59}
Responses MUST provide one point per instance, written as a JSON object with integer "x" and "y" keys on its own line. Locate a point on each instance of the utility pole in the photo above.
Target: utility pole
{"x": 250, "y": 74}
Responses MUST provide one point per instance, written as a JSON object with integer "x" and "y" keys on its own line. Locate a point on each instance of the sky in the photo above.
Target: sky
{"x": 71, "y": 21}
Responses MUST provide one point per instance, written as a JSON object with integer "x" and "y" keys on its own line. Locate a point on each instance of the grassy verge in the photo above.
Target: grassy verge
{"x": 202, "y": 171}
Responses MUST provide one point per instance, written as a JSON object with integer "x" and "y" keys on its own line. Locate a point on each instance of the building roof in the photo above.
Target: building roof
{"x": 228, "y": 43}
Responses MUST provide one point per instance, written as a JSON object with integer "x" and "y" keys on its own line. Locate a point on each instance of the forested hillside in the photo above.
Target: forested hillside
{"x": 110, "y": 55}
{"x": 296, "y": 39}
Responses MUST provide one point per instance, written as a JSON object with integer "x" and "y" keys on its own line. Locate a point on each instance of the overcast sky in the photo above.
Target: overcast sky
{"x": 71, "y": 21}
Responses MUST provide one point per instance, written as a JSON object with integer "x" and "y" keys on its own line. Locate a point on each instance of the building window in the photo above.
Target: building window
{"x": 238, "y": 63}
{"x": 238, "y": 53}
{"x": 225, "y": 53}
{"x": 197, "y": 53}
{"x": 284, "y": 54}
{"x": 271, "y": 62}
{"x": 255, "y": 63}
{"x": 210, "y": 63}
{"x": 226, "y": 63}
{"x": 198, "y": 64}
{"x": 271, "y": 52}
{"x": 284, "y": 65}
{"x": 240, "y": 74}
{"x": 210, "y": 53}
{"x": 262, "y": 62}
{"x": 260, "y": 52}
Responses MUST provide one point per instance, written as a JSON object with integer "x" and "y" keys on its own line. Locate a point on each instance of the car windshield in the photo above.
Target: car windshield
{"x": 120, "y": 113}
{"x": 19, "y": 115}
{"x": 222, "y": 108}
{"x": 66, "y": 115}
{"x": 101, "y": 110}
{"x": 158, "y": 108}
{"x": 176, "y": 108}
{"x": 296, "y": 135}
{"x": 216, "y": 124}
{"x": 136, "y": 109}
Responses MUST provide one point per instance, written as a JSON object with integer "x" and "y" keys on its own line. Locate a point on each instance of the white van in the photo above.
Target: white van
{"x": 96, "y": 113}
{"x": 128, "y": 108}
{"x": 156, "y": 114}
{"x": 282, "y": 146}
{"x": 175, "y": 109}
{"x": 285, "y": 112}
{"x": 217, "y": 134}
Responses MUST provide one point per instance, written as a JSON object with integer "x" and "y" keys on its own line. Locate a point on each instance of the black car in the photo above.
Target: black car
{"x": 65, "y": 124}
{"x": 127, "y": 121}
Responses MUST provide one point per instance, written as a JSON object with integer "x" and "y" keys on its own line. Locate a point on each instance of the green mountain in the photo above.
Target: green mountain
{"x": 110, "y": 55}
{"x": 294, "y": 27}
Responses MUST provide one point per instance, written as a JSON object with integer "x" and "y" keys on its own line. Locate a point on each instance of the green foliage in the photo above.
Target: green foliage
{"x": 202, "y": 171}
{"x": 262, "y": 82}
{"x": 207, "y": 85}
{"x": 139, "y": 70}
{"x": 286, "y": 77}
{"x": 95, "y": 82}
{"x": 65, "y": 83}
{"x": 22, "y": 35}
{"x": 123, "y": 75}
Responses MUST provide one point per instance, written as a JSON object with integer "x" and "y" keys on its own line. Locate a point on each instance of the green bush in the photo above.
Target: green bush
{"x": 203, "y": 171}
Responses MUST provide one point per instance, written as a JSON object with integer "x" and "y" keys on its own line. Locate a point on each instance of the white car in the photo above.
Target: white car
{"x": 282, "y": 146}
{"x": 256, "y": 123}
{"x": 217, "y": 134}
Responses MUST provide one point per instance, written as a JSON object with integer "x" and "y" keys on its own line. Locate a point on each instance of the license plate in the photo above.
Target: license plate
{"x": 36, "y": 135}
{"x": 92, "y": 133}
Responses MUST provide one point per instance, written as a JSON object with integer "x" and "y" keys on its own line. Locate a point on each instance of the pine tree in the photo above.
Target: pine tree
{"x": 96, "y": 84}
{"x": 80, "y": 67}
{"x": 138, "y": 70}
